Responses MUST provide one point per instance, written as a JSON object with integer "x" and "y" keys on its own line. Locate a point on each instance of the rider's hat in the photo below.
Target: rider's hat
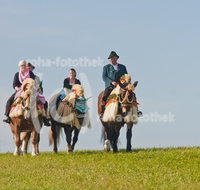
{"x": 30, "y": 65}
{"x": 113, "y": 54}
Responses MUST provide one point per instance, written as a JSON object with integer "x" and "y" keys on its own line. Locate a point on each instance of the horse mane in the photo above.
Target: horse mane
{"x": 29, "y": 81}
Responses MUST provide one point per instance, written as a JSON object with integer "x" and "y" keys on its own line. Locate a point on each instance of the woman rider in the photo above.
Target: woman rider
{"x": 70, "y": 81}
{"x": 67, "y": 85}
{"x": 19, "y": 77}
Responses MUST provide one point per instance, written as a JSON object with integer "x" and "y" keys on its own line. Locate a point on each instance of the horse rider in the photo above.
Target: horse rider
{"x": 19, "y": 77}
{"x": 67, "y": 85}
{"x": 112, "y": 73}
{"x": 70, "y": 81}
{"x": 38, "y": 84}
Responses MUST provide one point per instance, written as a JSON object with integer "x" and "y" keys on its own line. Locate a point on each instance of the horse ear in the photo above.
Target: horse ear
{"x": 135, "y": 83}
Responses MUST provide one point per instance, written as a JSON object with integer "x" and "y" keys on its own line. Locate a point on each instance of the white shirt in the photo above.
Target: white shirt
{"x": 115, "y": 67}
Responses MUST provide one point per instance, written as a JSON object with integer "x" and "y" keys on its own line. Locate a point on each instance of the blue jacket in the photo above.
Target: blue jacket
{"x": 109, "y": 74}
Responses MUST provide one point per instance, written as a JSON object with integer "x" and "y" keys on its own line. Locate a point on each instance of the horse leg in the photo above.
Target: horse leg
{"x": 116, "y": 132}
{"x": 112, "y": 138}
{"x": 114, "y": 135}
{"x": 75, "y": 138}
{"x": 37, "y": 143}
{"x": 114, "y": 141}
{"x": 68, "y": 132}
{"x": 34, "y": 143}
{"x": 25, "y": 142}
{"x": 107, "y": 139}
{"x": 53, "y": 128}
{"x": 128, "y": 137}
{"x": 17, "y": 143}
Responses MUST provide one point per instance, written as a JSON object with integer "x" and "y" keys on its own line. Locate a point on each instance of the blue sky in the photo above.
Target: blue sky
{"x": 158, "y": 41}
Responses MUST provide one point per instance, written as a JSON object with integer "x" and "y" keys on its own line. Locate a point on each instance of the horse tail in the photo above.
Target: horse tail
{"x": 50, "y": 134}
{"x": 59, "y": 133}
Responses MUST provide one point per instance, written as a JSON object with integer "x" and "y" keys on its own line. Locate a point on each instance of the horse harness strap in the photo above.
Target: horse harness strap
{"x": 126, "y": 99}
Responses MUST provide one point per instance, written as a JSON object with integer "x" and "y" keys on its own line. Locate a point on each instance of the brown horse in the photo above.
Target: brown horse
{"x": 57, "y": 125}
{"x": 29, "y": 122}
{"x": 127, "y": 114}
{"x": 20, "y": 125}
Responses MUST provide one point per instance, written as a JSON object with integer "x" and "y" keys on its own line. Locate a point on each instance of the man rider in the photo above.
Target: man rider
{"x": 112, "y": 73}
{"x": 40, "y": 90}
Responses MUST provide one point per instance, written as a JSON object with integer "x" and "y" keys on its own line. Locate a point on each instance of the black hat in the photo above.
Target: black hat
{"x": 113, "y": 54}
{"x": 30, "y": 65}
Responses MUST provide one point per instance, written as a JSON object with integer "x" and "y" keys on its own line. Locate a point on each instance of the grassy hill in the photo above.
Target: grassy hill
{"x": 141, "y": 169}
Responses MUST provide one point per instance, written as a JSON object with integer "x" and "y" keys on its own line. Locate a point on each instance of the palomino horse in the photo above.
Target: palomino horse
{"x": 126, "y": 114}
{"x": 24, "y": 122}
{"x": 58, "y": 124}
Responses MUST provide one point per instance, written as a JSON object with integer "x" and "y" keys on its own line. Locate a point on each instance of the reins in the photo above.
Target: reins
{"x": 126, "y": 98}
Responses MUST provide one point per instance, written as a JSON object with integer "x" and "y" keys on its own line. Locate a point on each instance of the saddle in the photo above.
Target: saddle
{"x": 72, "y": 107}
{"x": 112, "y": 103}
{"x": 21, "y": 102}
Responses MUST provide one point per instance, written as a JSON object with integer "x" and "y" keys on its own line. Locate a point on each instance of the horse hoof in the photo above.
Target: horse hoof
{"x": 115, "y": 150}
{"x": 69, "y": 149}
{"x": 34, "y": 154}
{"x": 24, "y": 153}
{"x": 107, "y": 146}
{"x": 55, "y": 150}
{"x": 16, "y": 154}
{"x": 106, "y": 149}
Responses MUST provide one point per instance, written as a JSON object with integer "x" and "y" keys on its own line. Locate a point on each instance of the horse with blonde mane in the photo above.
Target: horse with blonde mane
{"x": 121, "y": 109}
{"x": 70, "y": 113}
{"x": 26, "y": 117}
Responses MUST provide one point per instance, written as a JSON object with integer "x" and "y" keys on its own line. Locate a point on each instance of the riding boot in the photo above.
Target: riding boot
{"x": 139, "y": 113}
{"x": 46, "y": 122}
{"x": 102, "y": 110}
{"x": 7, "y": 120}
{"x": 7, "y": 111}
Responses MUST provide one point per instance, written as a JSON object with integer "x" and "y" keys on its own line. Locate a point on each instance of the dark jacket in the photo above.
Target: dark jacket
{"x": 67, "y": 85}
{"x": 16, "y": 81}
{"x": 110, "y": 74}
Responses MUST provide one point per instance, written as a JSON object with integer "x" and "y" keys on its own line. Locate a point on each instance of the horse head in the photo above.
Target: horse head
{"x": 27, "y": 88}
{"x": 127, "y": 96}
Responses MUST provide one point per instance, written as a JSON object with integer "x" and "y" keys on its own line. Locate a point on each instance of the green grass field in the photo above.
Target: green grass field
{"x": 142, "y": 169}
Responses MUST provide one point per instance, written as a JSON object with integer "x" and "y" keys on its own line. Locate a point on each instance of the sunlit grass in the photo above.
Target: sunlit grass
{"x": 140, "y": 169}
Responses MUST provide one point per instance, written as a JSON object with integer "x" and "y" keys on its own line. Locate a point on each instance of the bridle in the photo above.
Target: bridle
{"x": 125, "y": 99}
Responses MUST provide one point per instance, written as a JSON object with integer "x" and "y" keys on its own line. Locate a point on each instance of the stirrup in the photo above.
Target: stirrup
{"x": 7, "y": 120}
{"x": 101, "y": 115}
